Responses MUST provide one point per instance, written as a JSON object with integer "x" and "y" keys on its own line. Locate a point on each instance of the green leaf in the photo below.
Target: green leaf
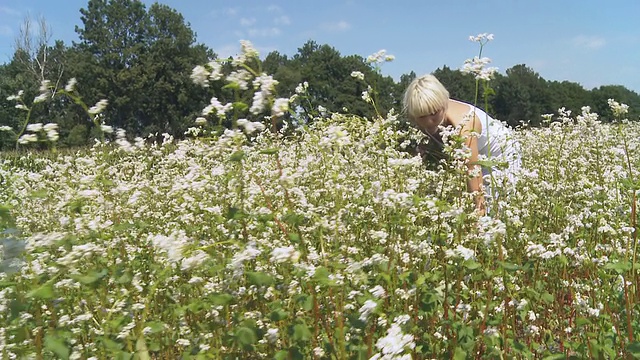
{"x": 259, "y": 278}
{"x": 237, "y": 156}
{"x": 278, "y": 314}
{"x": 555, "y": 357}
{"x": 221, "y": 299}
{"x": 471, "y": 265}
{"x": 38, "y": 194}
{"x": 321, "y": 275}
{"x": 305, "y": 301}
{"x": 6, "y": 284}
{"x": 547, "y": 297}
{"x": 582, "y": 321}
{"x": 240, "y": 106}
{"x": 246, "y": 336}
{"x": 124, "y": 356}
{"x": 43, "y": 292}
{"x": 295, "y": 238}
{"x": 155, "y": 326}
{"x": 92, "y": 277}
{"x": 110, "y": 344}
{"x": 634, "y": 349}
{"x": 271, "y": 151}
{"x": 232, "y": 86}
{"x": 619, "y": 267}
{"x": 281, "y": 355}
{"x": 141, "y": 349}
{"x": 293, "y": 219}
{"x": 301, "y": 333}
{"x": 508, "y": 266}
{"x": 57, "y": 346}
{"x": 459, "y": 354}
{"x": 125, "y": 278}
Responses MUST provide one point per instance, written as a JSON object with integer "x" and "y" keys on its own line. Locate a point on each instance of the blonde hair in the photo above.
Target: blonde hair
{"x": 424, "y": 96}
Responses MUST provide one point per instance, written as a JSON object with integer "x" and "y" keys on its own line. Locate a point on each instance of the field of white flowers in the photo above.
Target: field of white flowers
{"x": 329, "y": 241}
{"x": 332, "y": 243}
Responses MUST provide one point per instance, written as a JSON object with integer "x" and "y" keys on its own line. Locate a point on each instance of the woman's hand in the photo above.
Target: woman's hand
{"x": 481, "y": 205}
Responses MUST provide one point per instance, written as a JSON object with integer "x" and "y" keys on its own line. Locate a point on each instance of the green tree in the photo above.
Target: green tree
{"x": 522, "y": 96}
{"x": 601, "y": 95}
{"x": 114, "y": 34}
{"x": 570, "y": 95}
{"x": 140, "y": 61}
{"x": 284, "y": 70}
{"x": 460, "y": 86}
{"x": 170, "y": 100}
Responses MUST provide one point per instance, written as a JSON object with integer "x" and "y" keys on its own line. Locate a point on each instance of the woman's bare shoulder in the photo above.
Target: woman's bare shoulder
{"x": 460, "y": 112}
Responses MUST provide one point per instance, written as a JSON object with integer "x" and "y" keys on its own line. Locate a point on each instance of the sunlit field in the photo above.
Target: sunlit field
{"x": 325, "y": 241}
{"x": 329, "y": 244}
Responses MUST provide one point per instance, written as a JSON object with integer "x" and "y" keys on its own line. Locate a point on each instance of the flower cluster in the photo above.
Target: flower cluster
{"x": 243, "y": 79}
{"x": 618, "y": 109}
{"x": 379, "y": 57}
{"x": 482, "y": 38}
{"x": 50, "y": 130}
{"x": 478, "y": 68}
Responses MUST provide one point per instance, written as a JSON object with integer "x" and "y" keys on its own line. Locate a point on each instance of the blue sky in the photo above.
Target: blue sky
{"x": 590, "y": 42}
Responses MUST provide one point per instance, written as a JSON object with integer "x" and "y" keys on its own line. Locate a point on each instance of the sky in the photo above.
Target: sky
{"x": 590, "y": 42}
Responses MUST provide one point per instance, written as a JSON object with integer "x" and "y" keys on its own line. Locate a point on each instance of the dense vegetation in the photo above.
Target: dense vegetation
{"x": 140, "y": 60}
{"x": 303, "y": 227}
{"x": 332, "y": 243}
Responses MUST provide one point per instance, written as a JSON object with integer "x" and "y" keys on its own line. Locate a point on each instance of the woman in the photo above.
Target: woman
{"x": 429, "y": 108}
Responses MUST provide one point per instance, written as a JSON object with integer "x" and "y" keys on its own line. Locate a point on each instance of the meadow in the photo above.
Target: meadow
{"x": 330, "y": 240}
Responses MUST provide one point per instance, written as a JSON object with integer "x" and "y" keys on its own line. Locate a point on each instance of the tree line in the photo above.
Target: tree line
{"x": 141, "y": 59}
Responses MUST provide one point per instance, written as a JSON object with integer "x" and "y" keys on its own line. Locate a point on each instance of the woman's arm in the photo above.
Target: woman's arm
{"x": 471, "y": 130}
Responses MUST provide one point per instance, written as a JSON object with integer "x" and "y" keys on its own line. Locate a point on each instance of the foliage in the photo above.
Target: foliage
{"x": 140, "y": 59}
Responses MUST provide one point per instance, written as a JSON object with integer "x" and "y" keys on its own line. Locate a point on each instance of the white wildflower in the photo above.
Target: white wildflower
{"x": 271, "y": 335}
{"x": 284, "y": 254}
{"x": 366, "y": 309}
{"x": 98, "y": 107}
{"x": 394, "y": 344}
{"x": 301, "y": 88}
{"x": 280, "y": 107}
{"x": 106, "y": 129}
{"x": 358, "y": 75}
{"x": 28, "y": 138}
{"x": 71, "y": 85}
{"x": 378, "y": 291}
{"x": 200, "y": 76}
{"x": 37, "y": 127}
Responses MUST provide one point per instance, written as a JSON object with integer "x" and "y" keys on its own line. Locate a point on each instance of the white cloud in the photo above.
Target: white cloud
{"x": 239, "y": 34}
{"x": 282, "y": 20}
{"x": 227, "y": 50}
{"x": 247, "y": 21}
{"x": 232, "y": 50}
{"x": 589, "y": 42}
{"x": 230, "y": 11}
{"x": 274, "y": 8}
{"x": 265, "y": 32}
{"x": 9, "y": 11}
{"x": 6, "y": 31}
{"x": 338, "y": 26}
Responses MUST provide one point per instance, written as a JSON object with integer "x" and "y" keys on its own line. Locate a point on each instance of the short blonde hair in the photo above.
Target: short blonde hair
{"x": 424, "y": 96}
